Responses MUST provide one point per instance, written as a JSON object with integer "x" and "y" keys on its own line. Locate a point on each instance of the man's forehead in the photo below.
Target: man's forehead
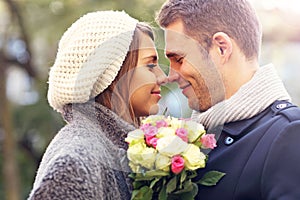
{"x": 174, "y": 40}
{"x": 175, "y": 35}
{"x": 179, "y": 43}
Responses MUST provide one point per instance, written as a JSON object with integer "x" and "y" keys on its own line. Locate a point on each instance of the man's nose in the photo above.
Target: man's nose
{"x": 173, "y": 75}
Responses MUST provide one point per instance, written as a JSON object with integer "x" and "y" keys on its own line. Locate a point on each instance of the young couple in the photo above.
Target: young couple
{"x": 105, "y": 77}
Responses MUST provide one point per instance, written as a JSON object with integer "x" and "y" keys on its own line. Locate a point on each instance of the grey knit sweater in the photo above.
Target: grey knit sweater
{"x": 86, "y": 159}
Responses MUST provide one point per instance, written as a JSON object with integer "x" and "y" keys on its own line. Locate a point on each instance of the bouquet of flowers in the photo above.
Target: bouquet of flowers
{"x": 163, "y": 155}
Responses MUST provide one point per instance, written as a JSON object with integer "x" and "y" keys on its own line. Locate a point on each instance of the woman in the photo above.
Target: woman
{"x": 104, "y": 78}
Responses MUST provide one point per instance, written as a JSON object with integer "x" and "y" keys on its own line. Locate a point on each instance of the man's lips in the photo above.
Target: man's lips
{"x": 184, "y": 86}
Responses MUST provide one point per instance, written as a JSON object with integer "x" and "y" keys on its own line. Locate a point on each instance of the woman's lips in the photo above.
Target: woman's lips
{"x": 156, "y": 93}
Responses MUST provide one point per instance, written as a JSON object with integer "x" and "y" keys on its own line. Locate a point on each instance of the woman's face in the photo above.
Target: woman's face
{"x": 146, "y": 80}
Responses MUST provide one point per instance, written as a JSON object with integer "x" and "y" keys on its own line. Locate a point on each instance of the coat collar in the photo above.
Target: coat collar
{"x": 238, "y": 127}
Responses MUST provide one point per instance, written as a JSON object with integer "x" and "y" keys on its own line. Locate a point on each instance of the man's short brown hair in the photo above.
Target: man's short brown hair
{"x": 203, "y": 18}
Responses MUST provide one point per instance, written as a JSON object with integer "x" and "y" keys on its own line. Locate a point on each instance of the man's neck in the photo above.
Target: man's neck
{"x": 239, "y": 72}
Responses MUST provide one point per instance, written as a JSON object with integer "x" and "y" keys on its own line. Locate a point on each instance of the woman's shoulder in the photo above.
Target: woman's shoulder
{"x": 83, "y": 143}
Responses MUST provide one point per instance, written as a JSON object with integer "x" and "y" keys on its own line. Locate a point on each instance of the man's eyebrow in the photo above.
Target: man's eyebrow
{"x": 173, "y": 54}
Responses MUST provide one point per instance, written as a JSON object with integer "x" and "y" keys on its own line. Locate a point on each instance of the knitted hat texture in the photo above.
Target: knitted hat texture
{"x": 90, "y": 54}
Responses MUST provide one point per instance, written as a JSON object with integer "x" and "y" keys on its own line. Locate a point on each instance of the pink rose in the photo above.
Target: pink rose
{"x": 182, "y": 133}
{"x": 153, "y": 142}
{"x": 177, "y": 164}
{"x": 150, "y": 131}
{"x": 148, "y": 139}
{"x": 144, "y": 126}
{"x": 161, "y": 123}
{"x": 208, "y": 141}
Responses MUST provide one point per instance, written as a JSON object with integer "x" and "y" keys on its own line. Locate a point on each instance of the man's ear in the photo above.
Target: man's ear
{"x": 224, "y": 45}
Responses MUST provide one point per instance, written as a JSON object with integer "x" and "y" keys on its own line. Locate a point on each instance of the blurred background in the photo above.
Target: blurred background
{"x": 29, "y": 34}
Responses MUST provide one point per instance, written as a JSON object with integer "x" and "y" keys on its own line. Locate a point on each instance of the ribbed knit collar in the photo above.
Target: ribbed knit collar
{"x": 110, "y": 124}
{"x": 260, "y": 92}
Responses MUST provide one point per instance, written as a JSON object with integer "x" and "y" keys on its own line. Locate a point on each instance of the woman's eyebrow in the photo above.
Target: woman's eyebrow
{"x": 152, "y": 58}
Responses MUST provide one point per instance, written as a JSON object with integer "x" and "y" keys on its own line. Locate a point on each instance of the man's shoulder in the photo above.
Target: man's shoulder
{"x": 286, "y": 109}
{"x": 280, "y": 115}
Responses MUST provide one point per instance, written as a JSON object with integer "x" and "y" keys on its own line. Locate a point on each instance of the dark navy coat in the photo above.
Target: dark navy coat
{"x": 260, "y": 156}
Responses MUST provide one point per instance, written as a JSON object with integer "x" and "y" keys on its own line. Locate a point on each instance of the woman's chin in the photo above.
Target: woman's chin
{"x": 154, "y": 109}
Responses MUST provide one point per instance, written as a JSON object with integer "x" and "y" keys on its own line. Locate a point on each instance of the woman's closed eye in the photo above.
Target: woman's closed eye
{"x": 179, "y": 60}
{"x": 151, "y": 65}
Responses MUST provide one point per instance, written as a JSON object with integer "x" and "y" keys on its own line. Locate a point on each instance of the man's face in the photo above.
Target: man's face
{"x": 192, "y": 68}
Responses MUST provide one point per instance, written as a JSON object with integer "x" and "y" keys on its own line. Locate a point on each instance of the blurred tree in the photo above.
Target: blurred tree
{"x": 10, "y": 167}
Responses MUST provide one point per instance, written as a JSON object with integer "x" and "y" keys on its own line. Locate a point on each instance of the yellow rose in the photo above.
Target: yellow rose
{"x": 195, "y": 130}
{"x": 152, "y": 119}
{"x": 177, "y": 123}
{"x": 165, "y": 132}
{"x": 193, "y": 157}
{"x": 148, "y": 158}
{"x": 134, "y": 152}
{"x": 135, "y": 168}
{"x": 171, "y": 145}
{"x": 162, "y": 162}
{"x": 135, "y": 135}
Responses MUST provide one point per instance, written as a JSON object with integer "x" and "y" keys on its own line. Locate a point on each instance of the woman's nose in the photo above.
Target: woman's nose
{"x": 161, "y": 77}
{"x": 173, "y": 75}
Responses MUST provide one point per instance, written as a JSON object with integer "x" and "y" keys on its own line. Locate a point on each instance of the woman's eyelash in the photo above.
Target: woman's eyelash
{"x": 152, "y": 65}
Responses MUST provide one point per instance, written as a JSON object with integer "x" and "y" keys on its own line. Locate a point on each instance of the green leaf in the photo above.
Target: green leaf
{"x": 191, "y": 174}
{"x": 145, "y": 193}
{"x": 143, "y": 178}
{"x": 190, "y": 195}
{"x": 163, "y": 193}
{"x": 131, "y": 175}
{"x": 156, "y": 173}
{"x": 138, "y": 184}
{"x": 211, "y": 178}
{"x": 182, "y": 176}
{"x": 149, "y": 175}
{"x": 154, "y": 182}
{"x": 171, "y": 186}
{"x": 187, "y": 187}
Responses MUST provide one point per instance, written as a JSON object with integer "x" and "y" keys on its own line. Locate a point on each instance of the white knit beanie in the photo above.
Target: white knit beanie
{"x": 90, "y": 54}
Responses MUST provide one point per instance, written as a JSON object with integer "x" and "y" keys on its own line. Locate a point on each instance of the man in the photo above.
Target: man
{"x": 213, "y": 47}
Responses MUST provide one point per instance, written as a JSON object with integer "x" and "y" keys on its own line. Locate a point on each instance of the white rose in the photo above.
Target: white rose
{"x": 171, "y": 145}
